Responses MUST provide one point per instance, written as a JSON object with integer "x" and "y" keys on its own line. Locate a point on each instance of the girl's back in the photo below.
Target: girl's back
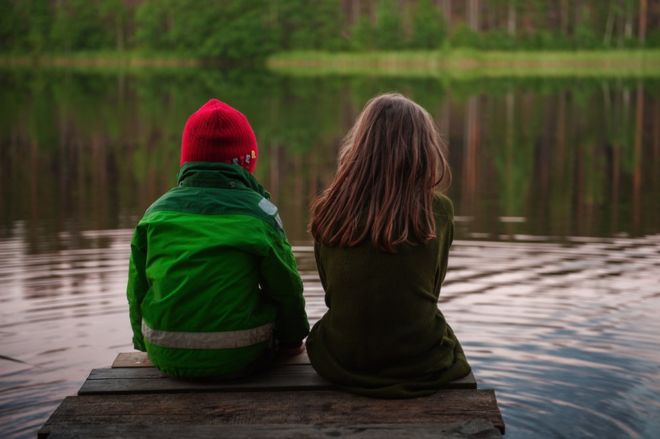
{"x": 383, "y": 334}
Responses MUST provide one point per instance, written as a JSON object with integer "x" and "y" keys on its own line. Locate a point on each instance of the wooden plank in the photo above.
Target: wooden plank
{"x": 280, "y": 377}
{"x": 473, "y": 429}
{"x": 132, "y": 359}
{"x": 140, "y": 359}
{"x": 151, "y": 380}
{"x": 301, "y": 358}
{"x": 323, "y": 407}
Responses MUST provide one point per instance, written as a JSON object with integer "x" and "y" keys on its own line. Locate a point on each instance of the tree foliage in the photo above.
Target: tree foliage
{"x": 304, "y": 25}
{"x": 249, "y": 29}
{"x": 363, "y": 34}
{"x": 388, "y": 32}
{"x": 429, "y": 28}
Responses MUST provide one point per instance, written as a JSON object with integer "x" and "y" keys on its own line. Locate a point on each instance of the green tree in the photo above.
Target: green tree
{"x": 78, "y": 25}
{"x": 116, "y": 15}
{"x": 150, "y": 32}
{"x": 463, "y": 36}
{"x": 388, "y": 32}
{"x": 329, "y": 22}
{"x": 429, "y": 26}
{"x": 7, "y": 23}
{"x": 294, "y": 30}
{"x": 240, "y": 30}
{"x": 38, "y": 24}
{"x": 362, "y": 37}
{"x": 585, "y": 37}
{"x": 305, "y": 25}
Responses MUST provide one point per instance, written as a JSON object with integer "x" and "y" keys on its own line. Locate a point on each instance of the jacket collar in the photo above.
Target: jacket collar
{"x": 218, "y": 175}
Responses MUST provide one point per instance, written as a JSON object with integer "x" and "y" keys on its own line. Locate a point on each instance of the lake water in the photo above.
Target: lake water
{"x": 554, "y": 280}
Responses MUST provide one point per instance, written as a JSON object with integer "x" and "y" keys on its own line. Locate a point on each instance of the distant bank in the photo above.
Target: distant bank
{"x": 100, "y": 60}
{"x": 454, "y": 63}
{"x": 472, "y": 63}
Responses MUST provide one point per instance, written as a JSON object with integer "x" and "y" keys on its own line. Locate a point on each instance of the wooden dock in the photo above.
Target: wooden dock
{"x": 133, "y": 399}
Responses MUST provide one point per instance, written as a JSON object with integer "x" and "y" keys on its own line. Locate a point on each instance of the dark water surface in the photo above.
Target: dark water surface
{"x": 554, "y": 280}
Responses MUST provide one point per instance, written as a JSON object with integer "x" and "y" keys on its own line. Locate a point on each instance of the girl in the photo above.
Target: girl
{"x": 382, "y": 236}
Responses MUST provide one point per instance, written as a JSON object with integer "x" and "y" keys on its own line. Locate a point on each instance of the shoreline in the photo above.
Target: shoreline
{"x": 101, "y": 60}
{"x": 459, "y": 63}
{"x": 451, "y": 63}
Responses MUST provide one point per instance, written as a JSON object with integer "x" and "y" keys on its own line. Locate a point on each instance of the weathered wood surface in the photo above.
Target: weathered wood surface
{"x": 132, "y": 359}
{"x": 279, "y": 377}
{"x": 239, "y": 414}
{"x": 140, "y": 359}
{"x": 151, "y": 380}
{"x": 474, "y": 429}
{"x": 133, "y": 399}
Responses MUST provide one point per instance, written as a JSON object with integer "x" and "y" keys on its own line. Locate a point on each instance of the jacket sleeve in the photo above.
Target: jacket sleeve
{"x": 281, "y": 283}
{"x": 137, "y": 287}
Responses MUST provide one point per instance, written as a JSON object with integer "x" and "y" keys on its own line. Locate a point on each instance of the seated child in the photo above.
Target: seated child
{"x": 382, "y": 235}
{"x": 212, "y": 280}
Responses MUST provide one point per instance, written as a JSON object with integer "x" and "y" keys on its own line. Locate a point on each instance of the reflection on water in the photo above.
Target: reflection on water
{"x": 552, "y": 285}
{"x": 566, "y": 333}
{"x": 530, "y": 157}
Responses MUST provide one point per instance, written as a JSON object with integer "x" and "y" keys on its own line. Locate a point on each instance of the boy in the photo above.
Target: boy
{"x": 212, "y": 280}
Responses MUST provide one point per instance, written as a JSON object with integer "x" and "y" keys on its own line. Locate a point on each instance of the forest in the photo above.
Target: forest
{"x": 255, "y": 29}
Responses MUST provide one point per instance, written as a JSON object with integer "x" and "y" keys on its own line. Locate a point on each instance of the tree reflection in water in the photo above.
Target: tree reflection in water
{"x": 542, "y": 157}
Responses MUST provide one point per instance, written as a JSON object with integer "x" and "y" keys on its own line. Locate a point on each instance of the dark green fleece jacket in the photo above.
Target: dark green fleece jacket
{"x": 383, "y": 334}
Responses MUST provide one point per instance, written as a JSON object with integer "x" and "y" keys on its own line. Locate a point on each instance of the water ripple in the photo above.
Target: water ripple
{"x": 565, "y": 332}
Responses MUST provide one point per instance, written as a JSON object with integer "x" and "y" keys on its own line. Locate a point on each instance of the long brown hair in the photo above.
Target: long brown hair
{"x": 391, "y": 162}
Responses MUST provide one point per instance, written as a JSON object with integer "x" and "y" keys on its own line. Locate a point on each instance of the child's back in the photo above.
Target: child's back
{"x": 383, "y": 334}
{"x": 212, "y": 280}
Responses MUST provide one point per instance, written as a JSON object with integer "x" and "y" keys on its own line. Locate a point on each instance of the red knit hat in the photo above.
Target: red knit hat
{"x": 219, "y": 133}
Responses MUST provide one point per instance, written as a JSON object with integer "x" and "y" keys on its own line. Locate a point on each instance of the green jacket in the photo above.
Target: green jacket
{"x": 212, "y": 279}
{"x": 383, "y": 334}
